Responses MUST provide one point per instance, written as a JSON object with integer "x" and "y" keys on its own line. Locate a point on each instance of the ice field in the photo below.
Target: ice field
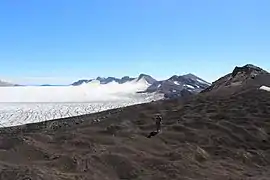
{"x": 28, "y": 104}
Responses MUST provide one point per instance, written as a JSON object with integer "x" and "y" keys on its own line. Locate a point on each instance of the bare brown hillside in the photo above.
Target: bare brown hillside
{"x": 204, "y": 138}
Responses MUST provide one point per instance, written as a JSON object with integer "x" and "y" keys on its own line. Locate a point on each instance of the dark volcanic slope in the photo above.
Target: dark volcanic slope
{"x": 205, "y": 138}
{"x": 240, "y": 79}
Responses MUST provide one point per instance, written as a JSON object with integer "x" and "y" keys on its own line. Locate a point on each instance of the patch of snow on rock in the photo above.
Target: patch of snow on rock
{"x": 265, "y": 88}
{"x": 177, "y": 83}
{"x": 187, "y": 85}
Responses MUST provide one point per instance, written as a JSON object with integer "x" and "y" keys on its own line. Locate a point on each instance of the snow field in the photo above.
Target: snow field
{"x": 93, "y": 91}
{"x": 13, "y": 114}
{"x": 29, "y": 104}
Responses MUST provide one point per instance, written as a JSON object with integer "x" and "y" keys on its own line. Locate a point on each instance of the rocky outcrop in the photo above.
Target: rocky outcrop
{"x": 241, "y": 78}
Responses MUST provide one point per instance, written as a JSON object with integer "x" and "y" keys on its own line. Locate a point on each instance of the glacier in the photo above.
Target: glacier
{"x": 89, "y": 92}
{"x": 29, "y": 104}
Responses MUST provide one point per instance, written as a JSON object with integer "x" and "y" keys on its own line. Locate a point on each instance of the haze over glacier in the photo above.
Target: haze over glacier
{"x": 87, "y": 92}
{"x": 28, "y": 104}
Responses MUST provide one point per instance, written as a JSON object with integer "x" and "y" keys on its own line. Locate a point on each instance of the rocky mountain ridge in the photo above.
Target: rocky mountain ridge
{"x": 240, "y": 79}
{"x": 175, "y": 86}
{"x": 106, "y": 80}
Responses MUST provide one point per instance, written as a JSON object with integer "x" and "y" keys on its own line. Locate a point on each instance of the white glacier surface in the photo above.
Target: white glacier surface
{"x": 84, "y": 93}
{"x": 29, "y": 104}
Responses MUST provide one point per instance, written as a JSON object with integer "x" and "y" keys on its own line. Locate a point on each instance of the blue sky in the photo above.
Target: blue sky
{"x": 59, "y": 41}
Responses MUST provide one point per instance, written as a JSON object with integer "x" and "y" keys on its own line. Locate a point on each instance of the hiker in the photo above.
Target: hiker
{"x": 158, "y": 120}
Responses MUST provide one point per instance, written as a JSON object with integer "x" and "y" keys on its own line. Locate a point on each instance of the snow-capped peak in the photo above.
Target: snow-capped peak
{"x": 104, "y": 80}
{"x": 145, "y": 83}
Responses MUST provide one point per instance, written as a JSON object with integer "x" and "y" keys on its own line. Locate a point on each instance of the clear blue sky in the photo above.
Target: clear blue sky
{"x": 59, "y": 41}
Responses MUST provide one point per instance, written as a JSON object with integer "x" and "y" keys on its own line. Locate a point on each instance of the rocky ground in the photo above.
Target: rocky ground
{"x": 206, "y": 137}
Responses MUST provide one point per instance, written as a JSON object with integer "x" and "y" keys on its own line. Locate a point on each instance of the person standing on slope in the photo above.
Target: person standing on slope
{"x": 158, "y": 119}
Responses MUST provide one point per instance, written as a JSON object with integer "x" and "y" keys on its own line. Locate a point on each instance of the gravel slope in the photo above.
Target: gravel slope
{"x": 207, "y": 137}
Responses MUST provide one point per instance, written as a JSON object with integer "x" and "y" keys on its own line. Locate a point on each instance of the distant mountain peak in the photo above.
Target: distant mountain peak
{"x": 143, "y": 75}
{"x": 248, "y": 69}
{"x": 3, "y": 83}
{"x": 241, "y": 78}
{"x": 174, "y": 77}
{"x": 125, "y": 77}
{"x": 104, "y": 80}
{"x": 80, "y": 82}
{"x": 252, "y": 67}
{"x": 179, "y": 85}
{"x": 147, "y": 78}
{"x": 190, "y": 75}
{"x": 174, "y": 86}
